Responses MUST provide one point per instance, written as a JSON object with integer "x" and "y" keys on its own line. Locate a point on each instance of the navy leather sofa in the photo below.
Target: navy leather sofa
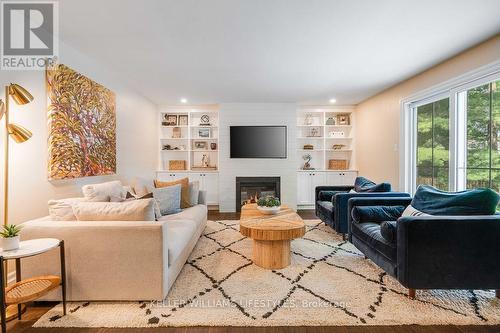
{"x": 331, "y": 201}
{"x": 428, "y": 252}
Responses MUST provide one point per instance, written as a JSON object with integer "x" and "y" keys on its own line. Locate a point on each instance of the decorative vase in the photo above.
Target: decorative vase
{"x": 10, "y": 243}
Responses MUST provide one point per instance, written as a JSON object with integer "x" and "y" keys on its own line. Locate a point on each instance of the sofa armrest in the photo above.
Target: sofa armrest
{"x": 449, "y": 252}
{"x": 104, "y": 260}
{"x": 202, "y": 198}
{"x": 342, "y": 212}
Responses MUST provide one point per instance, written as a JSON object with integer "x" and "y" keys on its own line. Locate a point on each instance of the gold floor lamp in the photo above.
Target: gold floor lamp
{"x": 19, "y": 134}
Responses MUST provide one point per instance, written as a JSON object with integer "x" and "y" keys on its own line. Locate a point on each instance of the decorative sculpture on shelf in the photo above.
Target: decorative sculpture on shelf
{"x": 307, "y": 165}
{"x": 205, "y": 161}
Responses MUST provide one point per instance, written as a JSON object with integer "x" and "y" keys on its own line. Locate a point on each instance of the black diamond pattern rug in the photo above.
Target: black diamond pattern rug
{"x": 329, "y": 283}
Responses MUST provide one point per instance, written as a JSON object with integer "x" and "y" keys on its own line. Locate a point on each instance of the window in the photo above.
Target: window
{"x": 479, "y": 147}
{"x": 433, "y": 141}
{"x": 450, "y": 134}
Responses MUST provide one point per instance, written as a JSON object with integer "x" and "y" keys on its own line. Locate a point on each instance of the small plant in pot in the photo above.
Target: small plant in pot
{"x": 269, "y": 205}
{"x": 10, "y": 237}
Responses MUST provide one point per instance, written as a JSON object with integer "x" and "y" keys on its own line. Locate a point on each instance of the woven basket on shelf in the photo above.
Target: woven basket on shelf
{"x": 177, "y": 165}
{"x": 337, "y": 164}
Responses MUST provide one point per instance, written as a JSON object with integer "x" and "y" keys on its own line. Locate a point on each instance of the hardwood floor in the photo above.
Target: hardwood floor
{"x": 35, "y": 311}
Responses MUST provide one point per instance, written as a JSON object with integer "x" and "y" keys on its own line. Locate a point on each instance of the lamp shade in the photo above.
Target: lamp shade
{"x": 19, "y": 133}
{"x": 2, "y": 109}
{"x": 20, "y": 95}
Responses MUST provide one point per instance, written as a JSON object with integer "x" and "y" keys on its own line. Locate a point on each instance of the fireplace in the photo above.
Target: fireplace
{"x": 249, "y": 189}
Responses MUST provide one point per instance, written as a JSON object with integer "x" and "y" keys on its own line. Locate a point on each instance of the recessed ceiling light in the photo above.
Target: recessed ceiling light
{"x": 333, "y": 100}
{"x": 184, "y": 100}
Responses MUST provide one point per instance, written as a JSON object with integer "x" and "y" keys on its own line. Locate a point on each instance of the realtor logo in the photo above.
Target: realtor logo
{"x": 29, "y": 34}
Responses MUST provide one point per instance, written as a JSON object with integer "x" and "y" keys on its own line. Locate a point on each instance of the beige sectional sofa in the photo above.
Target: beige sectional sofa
{"x": 121, "y": 260}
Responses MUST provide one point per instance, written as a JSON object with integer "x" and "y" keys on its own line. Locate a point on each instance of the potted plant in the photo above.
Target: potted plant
{"x": 10, "y": 237}
{"x": 269, "y": 205}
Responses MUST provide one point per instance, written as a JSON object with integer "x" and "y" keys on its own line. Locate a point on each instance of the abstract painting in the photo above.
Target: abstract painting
{"x": 81, "y": 125}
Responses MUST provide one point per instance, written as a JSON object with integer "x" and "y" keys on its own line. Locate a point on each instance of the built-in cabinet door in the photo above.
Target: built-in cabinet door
{"x": 350, "y": 177}
{"x": 303, "y": 188}
{"x": 306, "y": 186}
{"x": 211, "y": 185}
{"x": 209, "y": 182}
{"x": 170, "y": 176}
{"x": 341, "y": 178}
{"x": 317, "y": 179}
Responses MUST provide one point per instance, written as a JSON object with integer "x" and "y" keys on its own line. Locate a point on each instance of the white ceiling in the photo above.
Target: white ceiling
{"x": 305, "y": 51}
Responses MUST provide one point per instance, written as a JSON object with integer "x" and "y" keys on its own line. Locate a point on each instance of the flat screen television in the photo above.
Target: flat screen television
{"x": 258, "y": 141}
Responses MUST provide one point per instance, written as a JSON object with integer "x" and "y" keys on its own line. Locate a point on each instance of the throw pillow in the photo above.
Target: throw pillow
{"x": 377, "y": 214}
{"x": 363, "y": 184}
{"x": 137, "y": 210}
{"x": 62, "y": 210}
{"x": 129, "y": 197}
{"x": 168, "y": 199}
{"x": 480, "y": 201}
{"x": 412, "y": 211}
{"x": 194, "y": 193}
{"x": 103, "y": 191}
{"x": 142, "y": 186}
{"x": 184, "y": 182}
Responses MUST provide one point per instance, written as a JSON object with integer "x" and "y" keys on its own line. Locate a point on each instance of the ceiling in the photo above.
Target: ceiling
{"x": 304, "y": 51}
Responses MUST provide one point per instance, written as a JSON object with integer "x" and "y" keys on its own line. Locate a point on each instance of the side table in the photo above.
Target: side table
{"x": 28, "y": 290}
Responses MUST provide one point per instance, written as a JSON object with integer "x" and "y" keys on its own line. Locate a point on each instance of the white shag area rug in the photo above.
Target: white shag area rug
{"x": 329, "y": 283}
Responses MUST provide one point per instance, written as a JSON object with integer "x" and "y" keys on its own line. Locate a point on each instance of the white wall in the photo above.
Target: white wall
{"x": 242, "y": 114}
{"x": 136, "y": 138}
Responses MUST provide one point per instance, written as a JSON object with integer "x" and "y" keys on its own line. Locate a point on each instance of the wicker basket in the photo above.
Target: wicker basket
{"x": 177, "y": 165}
{"x": 337, "y": 164}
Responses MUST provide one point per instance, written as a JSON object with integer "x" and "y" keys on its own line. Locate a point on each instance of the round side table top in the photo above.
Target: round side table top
{"x": 31, "y": 248}
{"x": 285, "y": 225}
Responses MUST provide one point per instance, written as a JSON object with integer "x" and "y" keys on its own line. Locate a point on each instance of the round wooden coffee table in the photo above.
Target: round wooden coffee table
{"x": 271, "y": 234}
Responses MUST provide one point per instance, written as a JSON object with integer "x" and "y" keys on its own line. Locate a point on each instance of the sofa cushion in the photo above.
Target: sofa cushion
{"x": 179, "y": 234}
{"x": 184, "y": 182}
{"x": 137, "y": 210}
{"x": 196, "y": 213}
{"x": 62, "y": 210}
{"x": 480, "y": 201}
{"x": 168, "y": 199}
{"x": 370, "y": 234}
{"x": 361, "y": 214}
{"x": 326, "y": 206}
{"x": 103, "y": 191}
{"x": 363, "y": 184}
{"x": 388, "y": 230}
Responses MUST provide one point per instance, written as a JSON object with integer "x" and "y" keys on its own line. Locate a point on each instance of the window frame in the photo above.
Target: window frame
{"x": 452, "y": 90}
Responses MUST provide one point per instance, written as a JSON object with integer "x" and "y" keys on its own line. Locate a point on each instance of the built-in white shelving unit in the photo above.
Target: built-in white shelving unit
{"x": 331, "y": 133}
{"x": 190, "y": 139}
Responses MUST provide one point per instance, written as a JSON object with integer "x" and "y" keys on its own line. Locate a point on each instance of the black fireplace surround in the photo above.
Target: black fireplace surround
{"x": 255, "y": 186}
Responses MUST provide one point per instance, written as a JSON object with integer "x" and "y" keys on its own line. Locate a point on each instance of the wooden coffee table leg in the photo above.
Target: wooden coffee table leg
{"x": 271, "y": 254}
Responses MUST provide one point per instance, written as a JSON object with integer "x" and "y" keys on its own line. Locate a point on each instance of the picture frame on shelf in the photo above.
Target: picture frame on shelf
{"x": 343, "y": 119}
{"x": 204, "y": 132}
{"x": 176, "y": 133}
{"x": 213, "y": 146}
{"x": 314, "y": 132}
{"x": 183, "y": 120}
{"x": 205, "y": 120}
{"x": 200, "y": 145}
{"x": 170, "y": 120}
